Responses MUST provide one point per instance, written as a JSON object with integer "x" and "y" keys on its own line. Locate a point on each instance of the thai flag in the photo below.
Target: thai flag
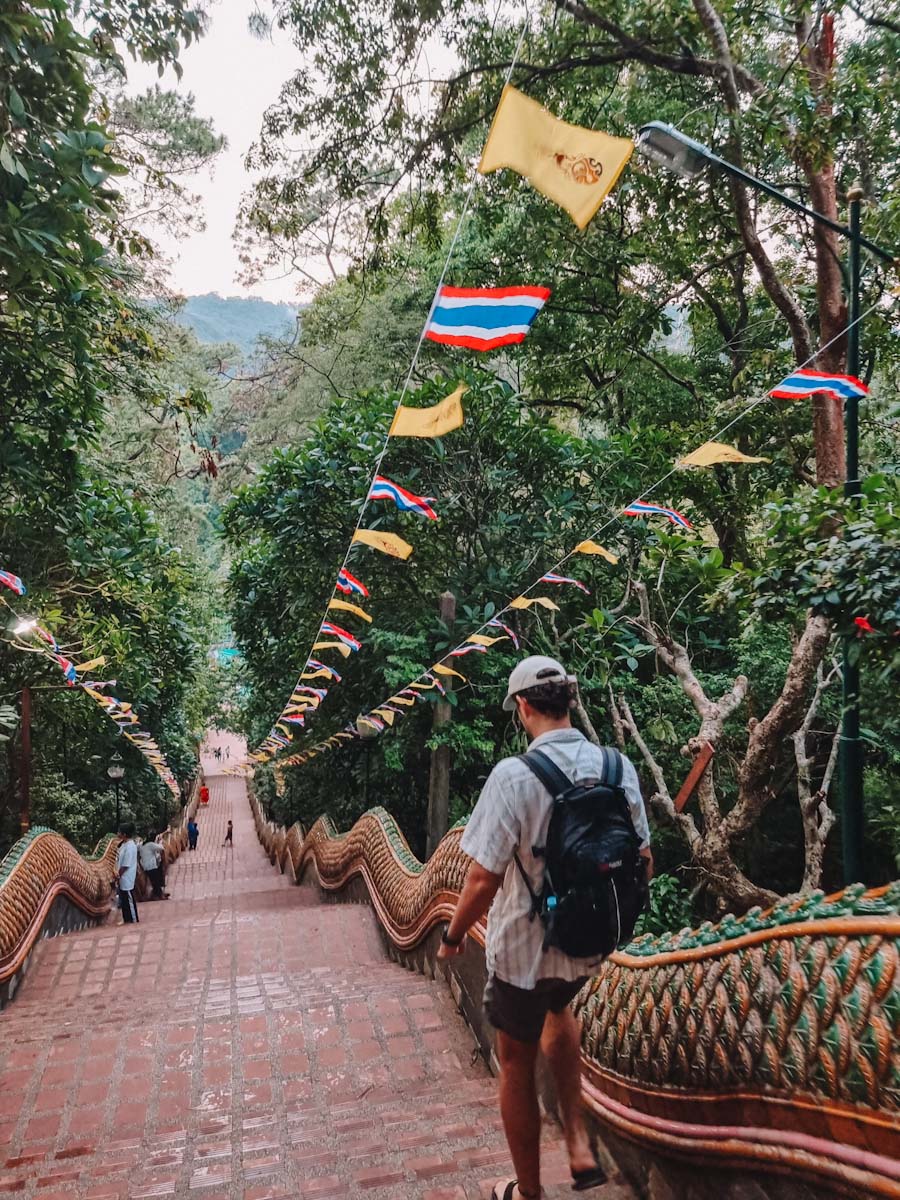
{"x": 437, "y": 683}
{"x": 484, "y": 318}
{"x": 315, "y": 665}
{"x": 384, "y": 489}
{"x": 641, "y": 508}
{"x": 350, "y": 585}
{"x": 67, "y": 669}
{"x": 341, "y": 634}
{"x": 410, "y": 692}
{"x": 495, "y": 623}
{"x": 552, "y": 577}
{"x": 462, "y": 650}
{"x": 806, "y": 383}
{"x": 295, "y": 719}
{"x": 375, "y": 722}
{"x": 13, "y": 582}
{"x": 319, "y": 693}
{"x": 46, "y": 636}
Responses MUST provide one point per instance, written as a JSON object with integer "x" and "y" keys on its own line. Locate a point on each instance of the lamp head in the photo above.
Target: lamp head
{"x": 116, "y": 768}
{"x": 668, "y": 146}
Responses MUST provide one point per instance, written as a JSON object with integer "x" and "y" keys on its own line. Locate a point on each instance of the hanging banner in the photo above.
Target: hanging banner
{"x": 589, "y": 547}
{"x": 574, "y": 167}
{"x": 527, "y": 601}
{"x": 432, "y": 422}
{"x": 346, "y": 606}
{"x": 387, "y": 543}
{"x": 711, "y": 453}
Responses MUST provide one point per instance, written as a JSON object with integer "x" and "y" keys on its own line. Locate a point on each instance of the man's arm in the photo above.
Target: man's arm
{"x": 474, "y": 901}
{"x": 647, "y": 853}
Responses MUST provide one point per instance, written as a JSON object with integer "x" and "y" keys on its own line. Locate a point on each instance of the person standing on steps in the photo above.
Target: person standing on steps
{"x": 531, "y": 980}
{"x": 151, "y": 856}
{"x": 229, "y": 831}
{"x": 193, "y": 832}
{"x": 126, "y": 874}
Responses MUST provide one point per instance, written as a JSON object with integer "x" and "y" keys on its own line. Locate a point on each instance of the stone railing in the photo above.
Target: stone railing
{"x": 48, "y": 888}
{"x": 766, "y": 1047}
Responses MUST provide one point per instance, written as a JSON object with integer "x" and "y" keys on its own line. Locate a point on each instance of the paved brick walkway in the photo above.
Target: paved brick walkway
{"x": 244, "y": 1041}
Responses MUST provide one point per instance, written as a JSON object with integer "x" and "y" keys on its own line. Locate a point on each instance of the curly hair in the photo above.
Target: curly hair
{"x": 553, "y": 699}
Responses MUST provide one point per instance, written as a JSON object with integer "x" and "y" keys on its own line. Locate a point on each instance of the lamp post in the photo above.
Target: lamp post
{"x": 368, "y": 733}
{"x": 116, "y": 772}
{"x": 673, "y": 149}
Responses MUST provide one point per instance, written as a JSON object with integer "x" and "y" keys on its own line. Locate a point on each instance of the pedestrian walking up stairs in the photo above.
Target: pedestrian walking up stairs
{"x": 249, "y": 1040}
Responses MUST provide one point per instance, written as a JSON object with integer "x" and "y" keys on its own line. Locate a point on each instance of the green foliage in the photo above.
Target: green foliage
{"x": 669, "y": 907}
{"x": 78, "y": 519}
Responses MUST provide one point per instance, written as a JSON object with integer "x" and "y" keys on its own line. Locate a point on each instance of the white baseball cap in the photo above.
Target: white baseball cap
{"x": 531, "y": 672}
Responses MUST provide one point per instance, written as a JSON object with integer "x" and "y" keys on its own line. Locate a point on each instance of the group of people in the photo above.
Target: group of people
{"x": 151, "y": 856}
{"x": 219, "y": 753}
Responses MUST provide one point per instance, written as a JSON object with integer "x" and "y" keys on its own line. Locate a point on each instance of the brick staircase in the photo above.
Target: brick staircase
{"x": 244, "y": 1041}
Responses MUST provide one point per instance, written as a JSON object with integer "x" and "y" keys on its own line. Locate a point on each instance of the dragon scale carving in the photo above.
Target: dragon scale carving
{"x": 770, "y": 1041}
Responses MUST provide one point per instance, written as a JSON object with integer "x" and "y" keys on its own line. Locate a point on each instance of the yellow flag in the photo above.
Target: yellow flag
{"x": 527, "y": 601}
{"x": 339, "y": 646}
{"x": 348, "y": 607}
{"x": 343, "y": 735}
{"x": 387, "y": 543}
{"x": 316, "y": 675}
{"x": 385, "y": 713}
{"x": 402, "y": 700}
{"x": 480, "y": 640}
{"x": 433, "y": 422}
{"x": 92, "y": 665}
{"x": 422, "y": 687}
{"x": 711, "y": 453}
{"x": 574, "y": 167}
{"x": 590, "y": 547}
{"x": 285, "y": 730}
{"x": 293, "y": 710}
{"x": 442, "y": 670}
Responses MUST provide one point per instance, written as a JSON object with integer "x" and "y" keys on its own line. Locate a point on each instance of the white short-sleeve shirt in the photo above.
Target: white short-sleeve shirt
{"x": 127, "y": 858}
{"x": 511, "y": 816}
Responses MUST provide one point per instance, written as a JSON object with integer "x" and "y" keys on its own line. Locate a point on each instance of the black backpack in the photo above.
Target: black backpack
{"x": 595, "y": 885}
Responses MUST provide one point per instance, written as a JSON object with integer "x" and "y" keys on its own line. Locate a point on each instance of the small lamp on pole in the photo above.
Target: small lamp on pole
{"x": 368, "y": 733}
{"x": 116, "y": 772}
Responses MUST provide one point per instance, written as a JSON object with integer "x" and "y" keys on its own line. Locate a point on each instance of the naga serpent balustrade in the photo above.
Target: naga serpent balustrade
{"x": 41, "y": 869}
{"x": 767, "y": 1042}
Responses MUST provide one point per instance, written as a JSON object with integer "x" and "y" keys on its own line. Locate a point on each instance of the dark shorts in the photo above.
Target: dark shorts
{"x": 520, "y": 1012}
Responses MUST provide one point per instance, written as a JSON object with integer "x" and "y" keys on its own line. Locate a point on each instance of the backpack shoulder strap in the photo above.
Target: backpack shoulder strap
{"x": 541, "y": 765}
{"x": 611, "y": 775}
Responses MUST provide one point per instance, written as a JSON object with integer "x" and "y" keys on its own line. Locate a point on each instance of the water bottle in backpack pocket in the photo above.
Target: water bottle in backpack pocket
{"x": 594, "y": 887}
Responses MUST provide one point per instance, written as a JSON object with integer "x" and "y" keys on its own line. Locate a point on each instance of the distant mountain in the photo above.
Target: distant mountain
{"x": 238, "y": 320}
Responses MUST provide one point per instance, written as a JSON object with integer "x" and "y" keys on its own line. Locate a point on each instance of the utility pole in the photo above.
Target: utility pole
{"x": 25, "y": 762}
{"x": 852, "y": 818}
{"x": 439, "y": 779}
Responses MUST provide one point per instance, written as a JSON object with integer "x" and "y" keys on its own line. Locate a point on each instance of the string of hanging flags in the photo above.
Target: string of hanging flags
{"x": 27, "y": 631}
{"x": 575, "y": 168}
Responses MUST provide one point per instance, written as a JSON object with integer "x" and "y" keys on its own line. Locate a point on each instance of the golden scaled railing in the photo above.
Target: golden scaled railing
{"x": 769, "y": 1042}
{"x": 43, "y": 867}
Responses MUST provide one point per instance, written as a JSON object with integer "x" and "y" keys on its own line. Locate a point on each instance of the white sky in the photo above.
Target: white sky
{"x": 234, "y": 77}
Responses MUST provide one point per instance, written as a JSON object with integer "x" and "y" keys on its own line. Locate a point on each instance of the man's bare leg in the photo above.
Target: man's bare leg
{"x": 519, "y": 1110}
{"x": 561, "y": 1045}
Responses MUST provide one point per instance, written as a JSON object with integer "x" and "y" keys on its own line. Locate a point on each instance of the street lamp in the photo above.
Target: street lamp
{"x": 368, "y": 733}
{"x": 116, "y": 772}
{"x": 673, "y": 149}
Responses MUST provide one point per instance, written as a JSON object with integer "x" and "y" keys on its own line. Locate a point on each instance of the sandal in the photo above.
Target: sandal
{"x": 591, "y": 1177}
{"x": 509, "y": 1190}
